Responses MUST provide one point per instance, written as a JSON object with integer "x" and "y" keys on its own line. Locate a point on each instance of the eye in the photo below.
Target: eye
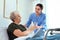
{"x": 18, "y": 16}
{"x": 37, "y": 8}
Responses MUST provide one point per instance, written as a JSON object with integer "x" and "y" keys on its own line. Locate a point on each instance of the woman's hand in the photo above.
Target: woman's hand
{"x": 32, "y": 28}
{"x": 39, "y": 27}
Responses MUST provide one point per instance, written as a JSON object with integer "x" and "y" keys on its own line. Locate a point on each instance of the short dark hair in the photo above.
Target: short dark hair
{"x": 40, "y": 5}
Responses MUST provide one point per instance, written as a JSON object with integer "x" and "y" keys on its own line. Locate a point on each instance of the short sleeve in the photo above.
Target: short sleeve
{"x": 11, "y": 28}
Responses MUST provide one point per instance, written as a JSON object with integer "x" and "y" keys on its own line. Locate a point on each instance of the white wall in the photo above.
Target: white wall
{"x": 53, "y": 13}
{"x": 3, "y": 22}
{"x": 25, "y": 8}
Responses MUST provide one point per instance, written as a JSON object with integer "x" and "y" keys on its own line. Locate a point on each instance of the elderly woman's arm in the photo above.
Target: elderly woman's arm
{"x": 19, "y": 33}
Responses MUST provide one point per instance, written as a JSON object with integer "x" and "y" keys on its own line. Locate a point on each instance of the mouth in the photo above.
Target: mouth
{"x": 20, "y": 20}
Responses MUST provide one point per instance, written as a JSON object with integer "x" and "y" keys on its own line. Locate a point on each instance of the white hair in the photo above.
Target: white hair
{"x": 12, "y": 15}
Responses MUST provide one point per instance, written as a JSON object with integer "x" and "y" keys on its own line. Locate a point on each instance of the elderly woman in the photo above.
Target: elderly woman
{"x": 15, "y": 29}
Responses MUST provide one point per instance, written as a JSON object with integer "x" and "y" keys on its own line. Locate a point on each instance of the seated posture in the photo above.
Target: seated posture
{"x": 38, "y": 18}
{"x": 15, "y": 29}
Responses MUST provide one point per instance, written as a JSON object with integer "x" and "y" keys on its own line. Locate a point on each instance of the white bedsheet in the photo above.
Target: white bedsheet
{"x": 25, "y": 37}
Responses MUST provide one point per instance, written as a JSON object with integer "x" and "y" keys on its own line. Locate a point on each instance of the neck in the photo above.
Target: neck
{"x": 16, "y": 23}
{"x": 37, "y": 14}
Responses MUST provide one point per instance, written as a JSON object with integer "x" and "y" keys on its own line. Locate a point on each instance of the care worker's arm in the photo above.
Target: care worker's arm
{"x": 43, "y": 24}
{"x": 19, "y": 33}
{"x": 29, "y": 21}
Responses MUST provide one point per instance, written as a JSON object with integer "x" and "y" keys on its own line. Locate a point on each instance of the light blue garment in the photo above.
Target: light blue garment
{"x": 38, "y": 36}
{"x": 40, "y": 20}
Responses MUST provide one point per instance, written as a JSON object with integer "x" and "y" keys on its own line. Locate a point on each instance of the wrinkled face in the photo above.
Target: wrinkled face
{"x": 38, "y": 10}
{"x": 17, "y": 17}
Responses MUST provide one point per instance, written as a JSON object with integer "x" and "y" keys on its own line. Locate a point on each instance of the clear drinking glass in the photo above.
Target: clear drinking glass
{"x": 35, "y": 24}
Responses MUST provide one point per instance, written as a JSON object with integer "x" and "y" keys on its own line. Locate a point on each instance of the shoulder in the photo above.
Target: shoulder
{"x": 21, "y": 25}
{"x": 12, "y": 25}
{"x": 32, "y": 14}
{"x": 43, "y": 14}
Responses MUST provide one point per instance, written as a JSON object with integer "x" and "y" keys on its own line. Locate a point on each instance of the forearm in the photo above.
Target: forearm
{"x": 32, "y": 28}
{"x": 39, "y": 27}
{"x": 26, "y": 32}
